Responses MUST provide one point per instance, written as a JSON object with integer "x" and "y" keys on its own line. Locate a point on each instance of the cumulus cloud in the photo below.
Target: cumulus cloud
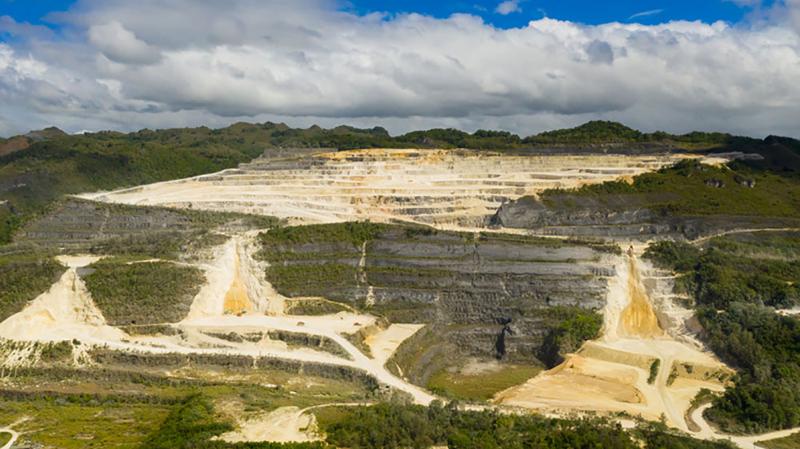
{"x": 507, "y": 7}
{"x": 121, "y": 45}
{"x": 190, "y": 62}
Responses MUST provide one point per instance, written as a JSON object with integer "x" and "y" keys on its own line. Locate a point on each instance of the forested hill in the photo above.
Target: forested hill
{"x": 40, "y": 167}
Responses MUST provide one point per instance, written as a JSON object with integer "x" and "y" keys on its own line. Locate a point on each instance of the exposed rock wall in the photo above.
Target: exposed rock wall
{"x": 479, "y": 287}
{"x": 455, "y": 188}
{"x": 79, "y": 223}
{"x": 588, "y": 217}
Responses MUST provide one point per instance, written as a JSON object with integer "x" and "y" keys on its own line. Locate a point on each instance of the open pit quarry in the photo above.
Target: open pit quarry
{"x": 445, "y": 188}
{"x": 647, "y": 363}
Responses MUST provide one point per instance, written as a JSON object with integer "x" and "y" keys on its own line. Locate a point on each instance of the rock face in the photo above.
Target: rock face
{"x": 75, "y": 223}
{"x": 588, "y": 217}
{"x": 453, "y": 188}
{"x": 490, "y": 295}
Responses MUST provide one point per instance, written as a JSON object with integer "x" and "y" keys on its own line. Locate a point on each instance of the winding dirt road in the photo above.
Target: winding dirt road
{"x": 745, "y": 442}
{"x": 14, "y": 436}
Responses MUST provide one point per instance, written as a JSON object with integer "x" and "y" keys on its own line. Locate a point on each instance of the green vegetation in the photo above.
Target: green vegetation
{"x": 729, "y": 271}
{"x": 691, "y": 189}
{"x": 123, "y": 400}
{"x": 573, "y": 326}
{"x": 654, "y": 367}
{"x": 71, "y": 423}
{"x": 389, "y": 425}
{"x": 48, "y": 169}
{"x": 481, "y": 385}
{"x": 193, "y": 423}
{"x": 153, "y": 232}
{"x": 732, "y": 292}
{"x": 355, "y": 233}
{"x": 311, "y": 280}
{"x": 604, "y": 132}
{"x": 57, "y": 352}
{"x": 23, "y": 278}
{"x": 143, "y": 293}
{"x": 790, "y": 442}
{"x": 313, "y": 306}
{"x": 56, "y": 163}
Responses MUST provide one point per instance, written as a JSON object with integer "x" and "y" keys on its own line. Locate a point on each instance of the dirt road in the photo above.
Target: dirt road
{"x": 745, "y": 442}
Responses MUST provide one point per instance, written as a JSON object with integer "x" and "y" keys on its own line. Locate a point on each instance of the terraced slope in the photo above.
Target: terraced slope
{"x": 483, "y": 295}
{"x": 439, "y": 187}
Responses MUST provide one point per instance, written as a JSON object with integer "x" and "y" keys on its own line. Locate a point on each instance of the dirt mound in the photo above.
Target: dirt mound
{"x": 64, "y": 312}
{"x": 600, "y": 352}
{"x": 594, "y": 384}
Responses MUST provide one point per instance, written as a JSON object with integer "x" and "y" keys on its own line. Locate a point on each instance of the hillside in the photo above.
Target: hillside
{"x": 305, "y": 293}
{"x": 53, "y": 163}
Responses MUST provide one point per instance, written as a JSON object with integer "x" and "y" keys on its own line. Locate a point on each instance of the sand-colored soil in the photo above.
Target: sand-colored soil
{"x": 237, "y": 299}
{"x": 283, "y": 425}
{"x": 638, "y": 319}
{"x": 64, "y": 312}
{"x": 383, "y": 344}
{"x": 235, "y": 283}
{"x": 611, "y": 374}
{"x": 438, "y": 187}
{"x": 595, "y": 384}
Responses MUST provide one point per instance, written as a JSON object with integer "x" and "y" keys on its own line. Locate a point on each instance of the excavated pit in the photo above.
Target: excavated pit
{"x": 437, "y": 187}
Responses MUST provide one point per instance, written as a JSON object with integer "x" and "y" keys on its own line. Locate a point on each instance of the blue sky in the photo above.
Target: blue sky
{"x": 131, "y": 64}
{"x": 584, "y": 11}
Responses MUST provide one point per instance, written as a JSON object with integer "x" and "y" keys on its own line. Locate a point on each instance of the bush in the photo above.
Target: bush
{"x": 654, "y": 371}
{"x": 23, "y": 278}
{"x": 143, "y": 293}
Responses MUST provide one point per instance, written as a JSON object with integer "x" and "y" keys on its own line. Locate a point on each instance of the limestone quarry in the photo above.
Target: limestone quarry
{"x": 438, "y": 187}
{"x": 647, "y": 363}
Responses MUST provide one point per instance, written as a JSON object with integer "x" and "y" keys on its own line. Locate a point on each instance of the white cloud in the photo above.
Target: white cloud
{"x": 651, "y": 12}
{"x": 191, "y": 62}
{"x": 121, "y": 45}
{"x": 507, "y": 7}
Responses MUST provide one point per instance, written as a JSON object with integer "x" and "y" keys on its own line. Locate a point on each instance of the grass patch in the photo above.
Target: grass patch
{"x": 456, "y": 384}
{"x": 314, "y": 306}
{"x": 355, "y": 233}
{"x": 23, "y": 278}
{"x": 143, "y": 293}
{"x": 60, "y": 423}
{"x": 691, "y": 189}
{"x": 311, "y": 279}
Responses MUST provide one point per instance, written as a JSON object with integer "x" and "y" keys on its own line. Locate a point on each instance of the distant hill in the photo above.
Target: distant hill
{"x": 41, "y": 166}
{"x": 17, "y": 143}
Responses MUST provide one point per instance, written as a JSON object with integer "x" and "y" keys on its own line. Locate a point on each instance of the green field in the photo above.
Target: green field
{"x": 480, "y": 386}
